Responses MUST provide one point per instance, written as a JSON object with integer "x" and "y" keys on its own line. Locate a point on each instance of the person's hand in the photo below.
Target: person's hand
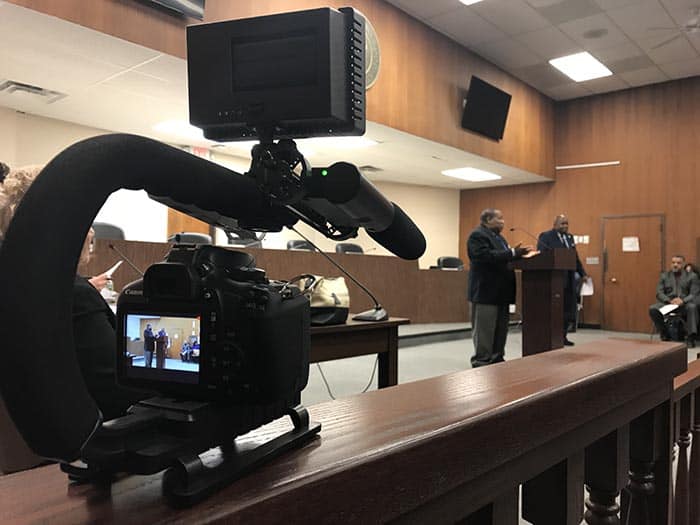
{"x": 521, "y": 250}
{"x": 99, "y": 281}
{"x": 677, "y": 300}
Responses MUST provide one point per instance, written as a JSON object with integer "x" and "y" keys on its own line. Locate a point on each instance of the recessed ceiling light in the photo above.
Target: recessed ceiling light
{"x": 581, "y": 66}
{"x": 471, "y": 174}
{"x": 470, "y": 2}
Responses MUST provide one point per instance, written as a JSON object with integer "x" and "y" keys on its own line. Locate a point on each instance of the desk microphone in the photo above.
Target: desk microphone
{"x": 537, "y": 240}
{"x": 128, "y": 261}
{"x": 378, "y": 313}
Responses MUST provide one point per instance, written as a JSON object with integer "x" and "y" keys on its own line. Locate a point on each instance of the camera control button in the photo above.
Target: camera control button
{"x": 212, "y": 338}
{"x": 212, "y": 317}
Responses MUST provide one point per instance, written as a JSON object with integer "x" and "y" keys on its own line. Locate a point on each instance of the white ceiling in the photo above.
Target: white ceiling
{"x": 115, "y": 85}
{"x": 521, "y": 36}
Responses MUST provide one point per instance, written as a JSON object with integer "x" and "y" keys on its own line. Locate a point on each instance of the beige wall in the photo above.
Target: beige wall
{"x": 28, "y": 139}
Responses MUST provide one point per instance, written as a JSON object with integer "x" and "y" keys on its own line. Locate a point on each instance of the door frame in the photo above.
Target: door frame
{"x": 604, "y": 253}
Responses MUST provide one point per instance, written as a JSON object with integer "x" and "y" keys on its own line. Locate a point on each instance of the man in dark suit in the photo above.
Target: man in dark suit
{"x": 149, "y": 345}
{"x": 559, "y": 237}
{"x": 680, "y": 288}
{"x": 491, "y": 286}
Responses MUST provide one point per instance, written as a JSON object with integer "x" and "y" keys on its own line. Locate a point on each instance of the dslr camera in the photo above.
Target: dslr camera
{"x": 252, "y": 334}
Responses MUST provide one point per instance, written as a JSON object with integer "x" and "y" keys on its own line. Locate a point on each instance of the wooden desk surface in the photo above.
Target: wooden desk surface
{"x": 352, "y": 326}
{"x": 383, "y": 453}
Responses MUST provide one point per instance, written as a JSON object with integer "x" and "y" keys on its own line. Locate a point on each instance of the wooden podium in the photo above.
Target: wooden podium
{"x": 543, "y": 298}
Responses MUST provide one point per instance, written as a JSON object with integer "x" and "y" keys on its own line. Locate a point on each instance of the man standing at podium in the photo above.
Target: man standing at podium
{"x": 491, "y": 286}
{"x": 559, "y": 237}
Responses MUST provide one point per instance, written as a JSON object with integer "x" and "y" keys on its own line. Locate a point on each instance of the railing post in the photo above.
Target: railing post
{"x": 694, "y": 475}
{"x": 646, "y": 498}
{"x": 606, "y": 466}
{"x": 681, "y": 514}
{"x": 555, "y": 496}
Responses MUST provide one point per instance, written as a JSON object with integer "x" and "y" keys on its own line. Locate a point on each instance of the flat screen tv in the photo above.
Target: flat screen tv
{"x": 486, "y": 109}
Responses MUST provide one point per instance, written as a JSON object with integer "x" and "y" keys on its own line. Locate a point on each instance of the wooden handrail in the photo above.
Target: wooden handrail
{"x": 435, "y": 449}
{"x": 687, "y": 487}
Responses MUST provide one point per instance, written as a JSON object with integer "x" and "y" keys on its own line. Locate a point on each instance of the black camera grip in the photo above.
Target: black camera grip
{"x": 40, "y": 380}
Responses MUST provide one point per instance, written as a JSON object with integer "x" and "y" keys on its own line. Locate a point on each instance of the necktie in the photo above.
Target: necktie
{"x": 563, "y": 239}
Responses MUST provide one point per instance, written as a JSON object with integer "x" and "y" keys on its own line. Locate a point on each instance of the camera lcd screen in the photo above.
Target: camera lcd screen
{"x": 160, "y": 347}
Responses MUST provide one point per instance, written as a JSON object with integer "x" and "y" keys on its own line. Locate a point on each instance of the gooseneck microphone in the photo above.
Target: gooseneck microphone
{"x": 128, "y": 261}
{"x": 378, "y": 313}
{"x": 537, "y": 240}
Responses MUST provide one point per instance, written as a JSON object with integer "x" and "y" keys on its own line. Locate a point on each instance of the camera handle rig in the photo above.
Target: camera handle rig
{"x": 54, "y": 412}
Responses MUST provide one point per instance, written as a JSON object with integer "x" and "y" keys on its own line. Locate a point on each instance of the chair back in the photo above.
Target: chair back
{"x": 105, "y": 230}
{"x": 348, "y": 247}
{"x": 450, "y": 263}
{"x": 299, "y": 244}
{"x": 190, "y": 238}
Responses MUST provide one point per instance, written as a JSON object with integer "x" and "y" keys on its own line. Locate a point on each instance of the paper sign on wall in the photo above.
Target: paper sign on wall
{"x": 592, "y": 260}
{"x": 630, "y": 244}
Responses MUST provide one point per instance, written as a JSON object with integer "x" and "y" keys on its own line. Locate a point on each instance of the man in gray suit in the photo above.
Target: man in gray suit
{"x": 680, "y": 288}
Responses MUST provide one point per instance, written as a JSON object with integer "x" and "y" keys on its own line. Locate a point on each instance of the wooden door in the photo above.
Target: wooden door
{"x": 632, "y": 260}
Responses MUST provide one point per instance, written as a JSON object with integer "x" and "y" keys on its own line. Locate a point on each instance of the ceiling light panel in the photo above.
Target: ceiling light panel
{"x": 581, "y": 66}
{"x": 471, "y": 174}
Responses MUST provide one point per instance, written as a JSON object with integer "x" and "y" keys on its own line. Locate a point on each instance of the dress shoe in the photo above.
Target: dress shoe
{"x": 691, "y": 341}
{"x": 568, "y": 343}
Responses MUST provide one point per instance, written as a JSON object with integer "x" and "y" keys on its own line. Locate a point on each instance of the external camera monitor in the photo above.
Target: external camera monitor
{"x": 162, "y": 347}
{"x": 289, "y": 75}
{"x": 486, "y": 109}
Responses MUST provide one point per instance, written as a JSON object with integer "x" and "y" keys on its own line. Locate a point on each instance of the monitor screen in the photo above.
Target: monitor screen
{"x": 486, "y": 109}
{"x": 159, "y": 347}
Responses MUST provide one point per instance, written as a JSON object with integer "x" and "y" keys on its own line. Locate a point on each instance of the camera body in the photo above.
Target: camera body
{"x": 207, "y": 325}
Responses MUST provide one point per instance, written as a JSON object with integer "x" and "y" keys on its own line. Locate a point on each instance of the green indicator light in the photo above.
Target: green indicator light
{"x": 324, "y": 172}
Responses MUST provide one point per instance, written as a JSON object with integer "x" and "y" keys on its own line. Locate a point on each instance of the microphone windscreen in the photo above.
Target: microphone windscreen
{"x": 402, "y": 237}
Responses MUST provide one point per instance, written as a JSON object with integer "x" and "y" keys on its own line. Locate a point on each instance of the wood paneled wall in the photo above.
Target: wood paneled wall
{"x": 423, "y": 296}
{"x": 653, "y": 131}
{"x": 421, "y": 83}
{"x": 126, "y": 19}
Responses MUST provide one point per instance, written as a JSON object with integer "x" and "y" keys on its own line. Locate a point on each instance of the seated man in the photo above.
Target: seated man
{"x": 677, "y": 287}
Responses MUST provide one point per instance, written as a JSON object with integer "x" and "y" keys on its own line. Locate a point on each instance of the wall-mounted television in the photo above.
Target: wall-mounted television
{"x": 486, "y": 109}
{"x": 191, "y": 8}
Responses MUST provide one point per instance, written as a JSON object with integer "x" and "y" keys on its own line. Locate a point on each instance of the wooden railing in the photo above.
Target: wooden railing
{"x": 686, "y": 417}
{"x": 454, "y": 448}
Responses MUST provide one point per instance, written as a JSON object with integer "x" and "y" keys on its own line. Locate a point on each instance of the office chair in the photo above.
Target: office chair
{"x": 190, "y": 238}
{"x": 104, "y": 230}
{"x": 298, "y": 244}
{"x": 450, "y": 263}
{"x": 348, "y": 247}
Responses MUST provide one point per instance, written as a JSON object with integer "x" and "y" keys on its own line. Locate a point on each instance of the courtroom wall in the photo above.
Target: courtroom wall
{"x": 653, "y": 131}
